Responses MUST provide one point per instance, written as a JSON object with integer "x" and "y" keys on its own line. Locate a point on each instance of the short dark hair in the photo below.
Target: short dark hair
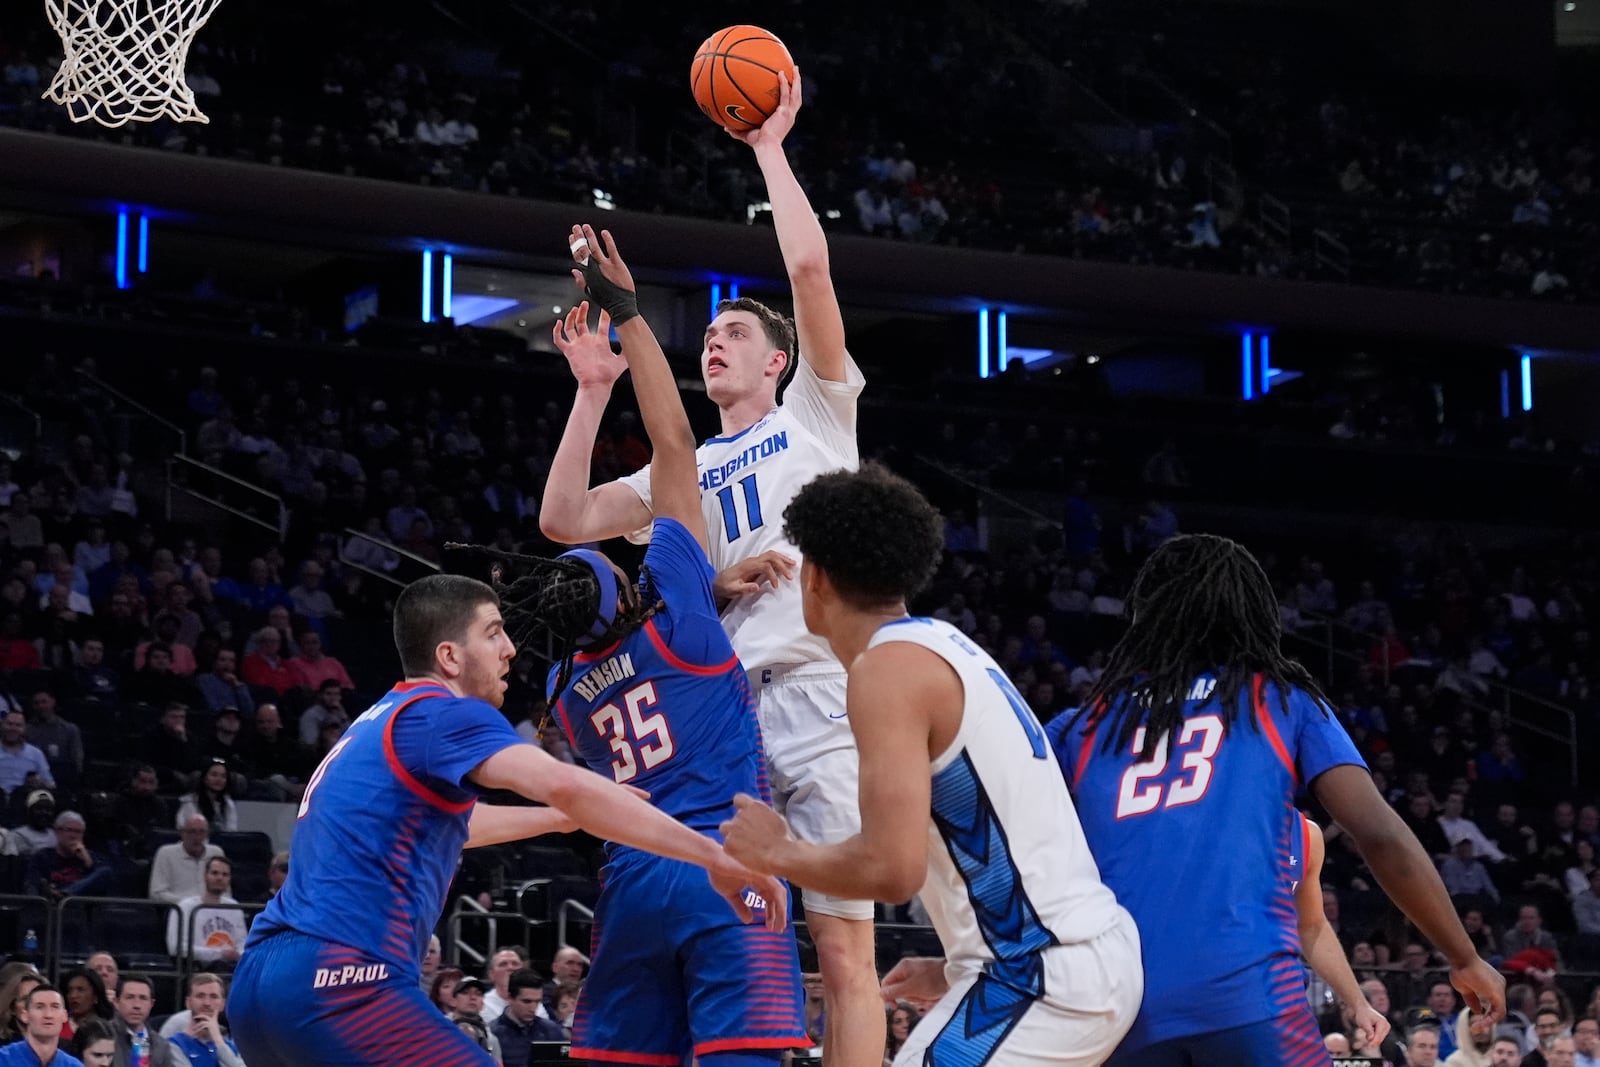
{"x": 218, "y": 858}
{"x": 872, "y": 532}
{"x": 432, "y": 610}
{"x": 525, "y": 978}
{"x": 42, "y": 987}
{"x": 778, "y": 327}
{"x": 1547, "y": 1011}
{"x": 129, "y": 978}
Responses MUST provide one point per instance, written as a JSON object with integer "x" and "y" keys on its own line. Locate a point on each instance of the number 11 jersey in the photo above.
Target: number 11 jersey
{"x": 1202, "y": 844}
{"x": 747, "y": 481}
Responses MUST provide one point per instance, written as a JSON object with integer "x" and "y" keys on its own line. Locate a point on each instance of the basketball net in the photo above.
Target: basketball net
{"x": 125, "y": 59}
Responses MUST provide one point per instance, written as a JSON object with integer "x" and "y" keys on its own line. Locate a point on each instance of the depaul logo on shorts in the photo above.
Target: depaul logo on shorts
{"x": 332, "y": 977}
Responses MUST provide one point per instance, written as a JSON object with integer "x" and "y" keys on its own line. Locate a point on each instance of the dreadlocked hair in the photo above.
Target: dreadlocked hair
{"x": 1201, "y": 604}
{"x": 559, "y": 598}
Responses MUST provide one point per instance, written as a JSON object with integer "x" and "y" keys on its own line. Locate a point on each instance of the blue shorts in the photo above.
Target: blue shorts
{"x": 1290, "y": 1040}
{"x": 299, "y": 1001}
{"x": 675, "y": 972}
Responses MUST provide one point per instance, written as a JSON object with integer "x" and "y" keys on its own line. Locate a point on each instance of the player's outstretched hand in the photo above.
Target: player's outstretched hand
{"x": 918, "y": 979}
{"x": 588, "y": 351}
{"x": 736, "y": 882}
{"x": 753, "y": 575}
{"x": 603, "y": 249}
{"x": 1483, "y": 988}
{"x": 1368, "y": 1018}
{"x": 781, "y": 121}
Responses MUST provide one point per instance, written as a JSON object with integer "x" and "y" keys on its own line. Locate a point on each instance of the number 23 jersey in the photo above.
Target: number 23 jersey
{"x": 747, "y": 481}
{"x": 1202, "y": 844}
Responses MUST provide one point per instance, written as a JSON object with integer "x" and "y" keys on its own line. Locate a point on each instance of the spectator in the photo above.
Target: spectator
{"x": 137, "y": 1045}
{"x": 1457, "y": 826}
{"x": 1464, "y": 875}
{"x": 277, "y": 874}
{"x": 225, "y": 746}
{"x": 443, "y": 991}
{"x": 1528, "y": 933}
{"x": 405, "y": 514}
{"x": 17, "y": 652}
{"x": 309, "y": 599}
{"x": 166, "y": 628}
{"x": 58, "y": 739}
{"x": 468, "y": 1014}
{"x": 139, "y": 810}
{"x": 222, "y": 687}
{"x": 178, "y": 870}
{"x": 312, "y": 668}
{"x": 1548, "y": 1029}
{"x": 168, "y": 748}
{"x": 91, "y": 678}
{"x": 69, "y": 869}
{"x": 260, "y": 593}
{"x": 210, "y": 800}
{"x": 274, "y": 763}
{"x": 1586, "y": 1042}
{"x": 328, "y": 707}
{"x": 502, "y": 965}
{"x": 1422, "y": 1046}
{"x": 20, "y": 761}
{"x": 430, "y": 958}
{"x": 95, "y": 1043}
{"x": 104, "y": 964}
{"x": 86, "y": 997}
{"x": 197, "y": 1030}
{"x": 566, "y": 968}
{"x": 520, "y": 1023}
{"x": 266, "y": 668}
{"x": 38, "y": 832}
{"x": 201, "y": 929}
{"x": 157, "y": 684}
{"x": 903, "y": 1018}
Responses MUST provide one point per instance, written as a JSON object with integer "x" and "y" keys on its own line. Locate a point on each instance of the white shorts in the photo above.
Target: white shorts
{"x": 1092, "y": 991}
{"x": 812, "y": 760}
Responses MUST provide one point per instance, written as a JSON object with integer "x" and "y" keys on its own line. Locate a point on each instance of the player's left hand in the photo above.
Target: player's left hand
{"x": 1368, "y": 1018}
{"x": 780, "y": 122}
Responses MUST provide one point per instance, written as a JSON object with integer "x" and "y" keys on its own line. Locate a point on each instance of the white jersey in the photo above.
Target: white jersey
{"x": 746, "y": 483}
{"x": 1009, "y": 870}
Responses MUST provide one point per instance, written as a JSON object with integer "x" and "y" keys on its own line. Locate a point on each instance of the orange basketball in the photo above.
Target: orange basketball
{"x": 735, "y": 76}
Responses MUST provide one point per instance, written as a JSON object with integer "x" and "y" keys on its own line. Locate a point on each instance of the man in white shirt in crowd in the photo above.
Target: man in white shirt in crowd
{"x": 178, "y": 870}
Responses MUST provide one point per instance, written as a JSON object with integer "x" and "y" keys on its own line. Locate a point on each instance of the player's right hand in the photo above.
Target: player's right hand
{"x": 733, "y": 881}
{"x": 1365, "y": 1017}
{"x": 918, "y": 979}
{"x": 753, "y": 575}
{"x": 1483, "y": 988}
{"x": 588, "y": 351}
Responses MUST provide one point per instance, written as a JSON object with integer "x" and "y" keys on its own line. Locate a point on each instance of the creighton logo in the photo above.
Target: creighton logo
{"x": 332, "y": 977}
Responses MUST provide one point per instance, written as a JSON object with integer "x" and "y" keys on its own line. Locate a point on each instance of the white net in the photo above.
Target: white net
{"x": 125, "y": 59}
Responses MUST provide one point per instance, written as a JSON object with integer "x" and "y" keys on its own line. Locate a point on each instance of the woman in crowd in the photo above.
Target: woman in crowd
{"x": 17, "y": 980}
{"x": 210, "y": 798}
{"x": 95, "y": 1043}
{"x": 85, "y": 994}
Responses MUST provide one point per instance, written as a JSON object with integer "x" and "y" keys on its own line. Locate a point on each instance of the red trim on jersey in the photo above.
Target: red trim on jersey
{"x": 738, "y": 1044}
{"x": 1305, "y": 842}
{"x": 683, "y": 664}
{"x": 606, "y": 1056}
{"x": 405, "y": 776}
{"x": 1083, "y": 752}
{"x": 1270, "y": 728}
{"x": 559, "y": 710}
{"x": 416, "y": 683}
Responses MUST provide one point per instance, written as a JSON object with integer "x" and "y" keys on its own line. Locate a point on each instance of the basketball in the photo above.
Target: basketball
{"x": 735, "y": 76}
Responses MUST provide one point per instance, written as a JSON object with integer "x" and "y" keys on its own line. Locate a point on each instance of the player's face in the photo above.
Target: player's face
{"x": 737, "y": 359}
{"x": 486, "y": 656}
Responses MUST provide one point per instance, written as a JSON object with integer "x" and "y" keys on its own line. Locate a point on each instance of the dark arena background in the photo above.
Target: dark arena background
{"x": 1322, "y": 277}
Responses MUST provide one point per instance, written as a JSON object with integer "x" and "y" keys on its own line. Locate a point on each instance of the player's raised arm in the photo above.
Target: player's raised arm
{"x": 1320, "y": 945}
{"x": 674, "y": 476}
{"x": 573, "y": 513}
{"x": 818, "y": 324}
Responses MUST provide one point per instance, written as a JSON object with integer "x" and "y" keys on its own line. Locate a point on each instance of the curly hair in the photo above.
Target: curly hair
{"x": 1201, "y": 604}
{"x": 872, "y": 532}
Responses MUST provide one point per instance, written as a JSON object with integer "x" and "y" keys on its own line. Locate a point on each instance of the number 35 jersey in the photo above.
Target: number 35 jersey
{"x": 1009, "y": 872}
{"x": 668, "y": 709}
{"x": 1202, "y": 844}
{"x": 747, "y": 481}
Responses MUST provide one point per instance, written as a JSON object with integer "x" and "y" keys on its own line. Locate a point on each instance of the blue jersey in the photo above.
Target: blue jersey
{"x": 382, "y": 825}
{"x": 1203, "y": 844}
{"x": 668, "y": 709}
